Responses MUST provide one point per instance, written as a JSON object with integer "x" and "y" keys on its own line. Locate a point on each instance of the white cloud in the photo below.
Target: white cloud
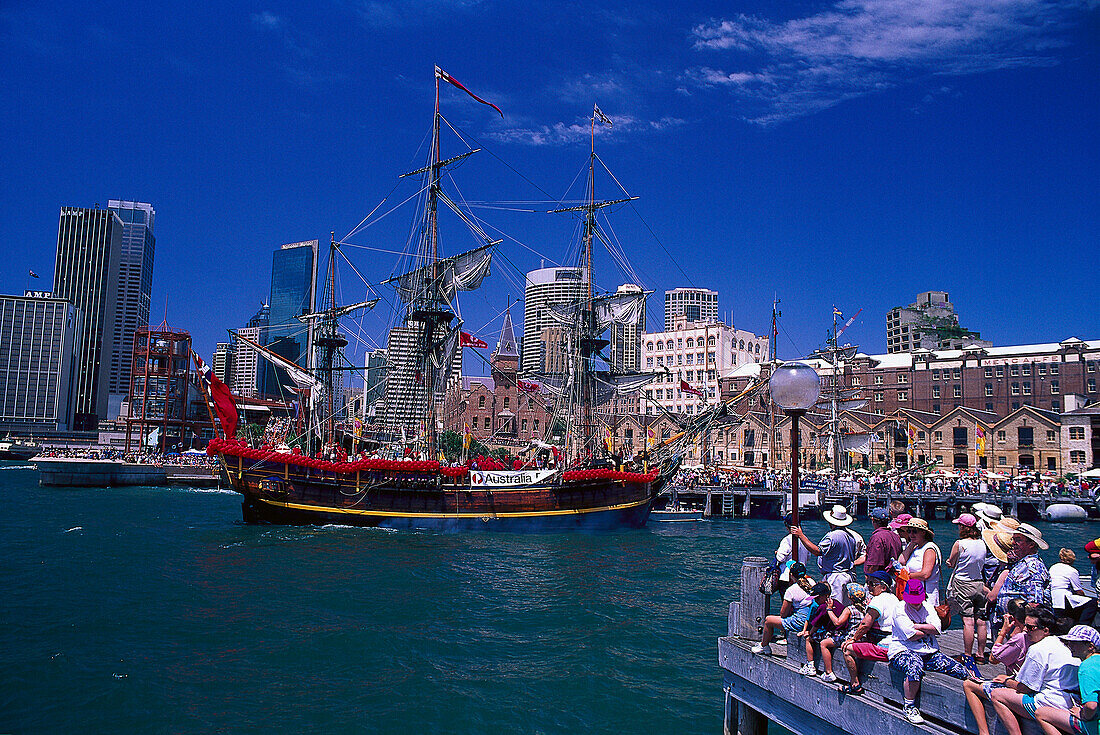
{"x": 562, "y": 133}
{"x": 267, "y": 20}
{"x": 782, "y": 70}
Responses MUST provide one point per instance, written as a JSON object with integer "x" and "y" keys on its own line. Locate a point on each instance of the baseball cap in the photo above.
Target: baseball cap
{"x": 880, "y": 514}
{"x": 1093, "y": 547}
{"x": 881, "y": 576}
{"x": 821, "y": 588}
{"x": 966, "y": 519}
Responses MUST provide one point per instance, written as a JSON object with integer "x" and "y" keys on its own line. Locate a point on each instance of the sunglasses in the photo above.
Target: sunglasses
{"x": 1031, "y": 626}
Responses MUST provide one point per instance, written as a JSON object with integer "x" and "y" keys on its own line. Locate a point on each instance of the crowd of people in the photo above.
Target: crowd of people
{"x": 110, "y": 453}
{"x": 1038, "y": 622}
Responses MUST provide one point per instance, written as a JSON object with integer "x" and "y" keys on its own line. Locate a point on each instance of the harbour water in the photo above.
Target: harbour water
{"x": 157, "y": 610}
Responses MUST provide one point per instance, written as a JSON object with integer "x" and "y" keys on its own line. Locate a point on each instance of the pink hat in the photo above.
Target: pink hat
{"x": 900, "y": 521}
{"x": 914, "y": 593}
{"x": 966, "y": 519}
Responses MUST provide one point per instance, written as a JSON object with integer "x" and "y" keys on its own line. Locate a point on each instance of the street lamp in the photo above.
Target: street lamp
{"x": 795, "y": 387}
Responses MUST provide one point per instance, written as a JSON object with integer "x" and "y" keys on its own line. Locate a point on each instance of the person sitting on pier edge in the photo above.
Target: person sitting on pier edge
{"x": 1083, "y": 642}
{"x": 1066, "y": 593}
{"x": 1027, "y": 577}
{"x": 966, "y": 590}
{"x": 884, "y": 546}
{"x": 841, "y": 550}
{"x": 866, "y": 640}
{"x": 921, "y": 557}
{"x": 1009, "y": 649}
{"x": 783, "y": 553}
{"x": 913, "y": 647}
{"x": 795, "y": 609}
{"x": 828, "y": 617}
{"x": 1092, "y": 548}
{"x": 1045, "y": 679}
{"x": 855, "y": 611}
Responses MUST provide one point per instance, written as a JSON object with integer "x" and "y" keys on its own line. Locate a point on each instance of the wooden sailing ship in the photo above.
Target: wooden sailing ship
{"x": 584, "y": 488}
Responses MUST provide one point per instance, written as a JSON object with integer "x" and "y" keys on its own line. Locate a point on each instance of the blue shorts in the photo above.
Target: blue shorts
{"x": 796, "y": 622}
{"x": 1029, "y": 705}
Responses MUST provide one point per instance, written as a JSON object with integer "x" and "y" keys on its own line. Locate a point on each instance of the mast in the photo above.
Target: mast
{"x": 772, "y": 364}
{"x": 329, "y": 344}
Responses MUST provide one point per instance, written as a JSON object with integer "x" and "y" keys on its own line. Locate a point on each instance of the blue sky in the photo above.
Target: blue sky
{"x": 850, "y": 153}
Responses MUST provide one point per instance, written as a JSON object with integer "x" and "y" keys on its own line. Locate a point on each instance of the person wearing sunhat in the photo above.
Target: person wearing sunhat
{"x": 840, "y": 550}
{"x": 921, "y": 557}
{"x": 966, "y": 590}
{"x": 913, "y": 646}
{"x": 1083, "y": 641}
{"x": 1027, "y": 577}
{"x": 987, "y": 514}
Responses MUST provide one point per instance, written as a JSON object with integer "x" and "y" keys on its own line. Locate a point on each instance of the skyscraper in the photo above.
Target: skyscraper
{"x": 626, "y": 339}
{"x": 246, "y": 372}
{"x": 544, "y": 287}
{"x": 293, "y": 293}
{"x": 38, "y": 337}
{"x": 695, "y": 304}
{"x": 89, "y": 248}
{"x": 135, "y": 286}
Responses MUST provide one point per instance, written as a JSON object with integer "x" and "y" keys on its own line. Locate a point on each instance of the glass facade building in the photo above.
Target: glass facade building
{"x": 293, "y": 293}
{"x": 135, "y": 287}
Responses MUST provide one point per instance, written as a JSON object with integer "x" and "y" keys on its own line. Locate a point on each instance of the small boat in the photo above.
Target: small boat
{"x": 19, "y": 450}
{"x": 676, "y": 513}
{"x": 1065, "y": 513}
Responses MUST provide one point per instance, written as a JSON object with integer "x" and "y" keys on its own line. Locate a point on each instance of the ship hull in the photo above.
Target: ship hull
{"x": 276, "y": 493}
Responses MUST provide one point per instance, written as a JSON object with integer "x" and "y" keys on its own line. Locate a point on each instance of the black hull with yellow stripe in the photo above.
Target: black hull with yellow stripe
{"x": 283, "y": 492}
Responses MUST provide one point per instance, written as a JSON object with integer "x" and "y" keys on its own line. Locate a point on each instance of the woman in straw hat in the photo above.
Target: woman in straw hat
{"x": 1027, "y": 577}
{"x": 921, "y": 557}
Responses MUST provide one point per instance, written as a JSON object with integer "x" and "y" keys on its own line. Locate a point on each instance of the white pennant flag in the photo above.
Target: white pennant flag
{"x": 598, "y": 114}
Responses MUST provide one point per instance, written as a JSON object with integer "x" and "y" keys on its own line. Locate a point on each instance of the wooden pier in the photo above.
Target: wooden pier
{"x": 762, "y": 688}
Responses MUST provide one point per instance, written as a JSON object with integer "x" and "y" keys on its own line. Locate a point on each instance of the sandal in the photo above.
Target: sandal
{"x": 855, "y": 691}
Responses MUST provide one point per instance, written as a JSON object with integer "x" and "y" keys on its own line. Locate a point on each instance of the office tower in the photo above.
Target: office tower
{"x": 694, "y": 304}
{"x": 38, "y": 340}
{"x": 293, "y": 293}
{"x": 405, "y": 404}
{"x": 135, "y": 286}
{"x": 89, "y": 249}
{"x": 223, "y": 362}
{"x": 374, "y": 381}
{"x": 247, "y": 365}
{"x": 624, "y": 351}
{"x": 544, "y": 287}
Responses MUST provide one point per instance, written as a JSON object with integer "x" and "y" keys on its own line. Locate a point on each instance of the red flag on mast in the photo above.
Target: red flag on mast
{"x": 225, "y": 407}
{"x": 440, "y": 74}
{"x": 468, "y": 340}
{"x": 685, "y": 387}
{"x": 525, "y": 387}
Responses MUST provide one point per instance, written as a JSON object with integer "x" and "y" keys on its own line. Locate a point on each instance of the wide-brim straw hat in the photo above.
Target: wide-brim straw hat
{"x": 838, "y": 516}
{"x": 1033, "y": 534}
{"x": 919, "y": 524}
{"x": 998, "y": 537}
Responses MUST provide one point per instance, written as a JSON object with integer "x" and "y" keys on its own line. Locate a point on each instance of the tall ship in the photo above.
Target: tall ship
{"x": 401, "y": 479}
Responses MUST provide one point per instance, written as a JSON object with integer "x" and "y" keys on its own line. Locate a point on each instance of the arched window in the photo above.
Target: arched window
{"x": 669, "y": 344}
{"x": 660, "y": 346}
{"x": 758, "y": 348}
{"x": 649, "y": 345}
{"x": 710, "y": 342}
{"x": 742, "y": 345}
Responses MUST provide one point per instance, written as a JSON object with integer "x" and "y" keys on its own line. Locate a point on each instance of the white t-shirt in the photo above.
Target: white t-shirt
{"x": 783, "y": 553}
{"x": 798, "y": 597}
{"x": 903, "y": 627}
{"x": 972, "y": 553}
{"x": 916, "y": 563}
{"x": 1050, "y": 670}
{"x": 1064, "y": 581}
{"x": 884, "y": 605}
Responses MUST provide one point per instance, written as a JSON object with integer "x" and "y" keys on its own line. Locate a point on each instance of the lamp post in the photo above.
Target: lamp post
{"x": 795, "y": 387}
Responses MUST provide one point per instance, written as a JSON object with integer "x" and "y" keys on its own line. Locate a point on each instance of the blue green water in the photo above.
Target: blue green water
{"x": 156, "y": 610}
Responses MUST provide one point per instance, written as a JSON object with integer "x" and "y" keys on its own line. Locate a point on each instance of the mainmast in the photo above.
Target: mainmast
{"x": 772, "y": 363}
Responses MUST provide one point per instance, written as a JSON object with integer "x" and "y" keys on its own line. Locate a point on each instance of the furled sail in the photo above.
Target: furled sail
{"x": 447, "y": 276}
{"x": 621, "y": 308}
{"x": 301, "y": 377}
{"x": 443, "y": 357}
{"x": 609, "y": 385}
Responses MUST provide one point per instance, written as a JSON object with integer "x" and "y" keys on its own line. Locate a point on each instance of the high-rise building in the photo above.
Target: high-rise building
{"x": 693, "y": 304}
{"x": 247, "y": 365}
{"x": 223, "y": 362}
{"x": 38, "y": 339}
{"x": 625, "y": 348}
{"x": 374, "y": 381}
{"x": 929, "y": 323}
{"x": 135, "y": 286}
{"x": 544, "y": 287}
{"x": 89, "y": 249}
{"x": 293, "y": 293}
{"x": 405, "y": 403}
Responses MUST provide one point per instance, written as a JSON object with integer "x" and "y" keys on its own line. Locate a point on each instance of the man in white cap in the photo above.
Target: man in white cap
{"x": 841, "y": 550}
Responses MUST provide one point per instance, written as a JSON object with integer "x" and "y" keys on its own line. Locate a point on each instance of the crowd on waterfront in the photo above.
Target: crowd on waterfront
{"x": 1035, "y": 620}
{"x": 110, "y": 453}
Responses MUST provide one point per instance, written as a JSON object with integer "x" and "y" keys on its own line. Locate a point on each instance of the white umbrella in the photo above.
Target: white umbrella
{"x": 1094, "y": 472}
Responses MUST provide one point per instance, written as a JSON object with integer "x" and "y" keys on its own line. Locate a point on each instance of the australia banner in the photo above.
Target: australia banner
{"x": 508, "y": 478}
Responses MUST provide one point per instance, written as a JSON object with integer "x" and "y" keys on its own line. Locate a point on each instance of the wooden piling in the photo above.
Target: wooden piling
{"x": 752, "y": 609}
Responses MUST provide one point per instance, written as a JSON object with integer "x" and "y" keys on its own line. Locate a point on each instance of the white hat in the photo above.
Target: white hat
{"x": 1033, "y": 534}
{"x": 838, "y": 516}
{"x": 987, "y": 512}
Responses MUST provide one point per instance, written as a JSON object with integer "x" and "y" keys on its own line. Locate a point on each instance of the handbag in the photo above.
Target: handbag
{"x": 770, "y": 583}
{"x": 944, "y": 613}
